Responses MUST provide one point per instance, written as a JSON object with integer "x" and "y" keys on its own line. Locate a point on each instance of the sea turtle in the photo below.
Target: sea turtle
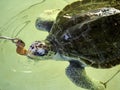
{"x": 85, "y": 33}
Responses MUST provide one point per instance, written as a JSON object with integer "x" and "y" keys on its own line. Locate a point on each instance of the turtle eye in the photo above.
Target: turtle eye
{"x": 40, "y": 45}
{"x": 44, "y": 46}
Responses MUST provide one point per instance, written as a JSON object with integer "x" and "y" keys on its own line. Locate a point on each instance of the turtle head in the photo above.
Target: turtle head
{"x": 39, "y": 51}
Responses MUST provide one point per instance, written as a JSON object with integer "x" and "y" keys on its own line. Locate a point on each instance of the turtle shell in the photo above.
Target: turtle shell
{"x": 93, "y": 39}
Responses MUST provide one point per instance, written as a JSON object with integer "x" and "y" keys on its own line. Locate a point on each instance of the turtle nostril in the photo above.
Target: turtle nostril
{"x": 32, "y": 47}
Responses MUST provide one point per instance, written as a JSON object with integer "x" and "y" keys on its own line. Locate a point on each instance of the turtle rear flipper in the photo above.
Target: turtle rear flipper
{"x": 76, "y": 73}
{"x": 41, "y": 24}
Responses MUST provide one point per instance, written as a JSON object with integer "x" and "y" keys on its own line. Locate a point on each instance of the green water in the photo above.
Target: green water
{"x": 20, "y": 73}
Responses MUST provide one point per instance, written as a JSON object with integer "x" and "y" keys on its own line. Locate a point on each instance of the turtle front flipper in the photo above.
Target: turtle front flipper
{"x": 46, "y": 19}
{"x": 41, "y": 24}
{"x": 76, "y": 73}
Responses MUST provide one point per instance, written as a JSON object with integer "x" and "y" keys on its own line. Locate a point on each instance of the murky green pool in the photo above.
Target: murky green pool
{"x": 20, "y": 73}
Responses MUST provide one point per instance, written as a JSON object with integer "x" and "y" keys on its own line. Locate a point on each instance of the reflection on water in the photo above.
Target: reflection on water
{"x": 20, "y": 73}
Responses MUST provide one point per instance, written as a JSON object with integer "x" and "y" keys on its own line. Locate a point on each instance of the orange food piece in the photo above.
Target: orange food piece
{"x": 21, "y": 50}
{"x": 20, "y": 47}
